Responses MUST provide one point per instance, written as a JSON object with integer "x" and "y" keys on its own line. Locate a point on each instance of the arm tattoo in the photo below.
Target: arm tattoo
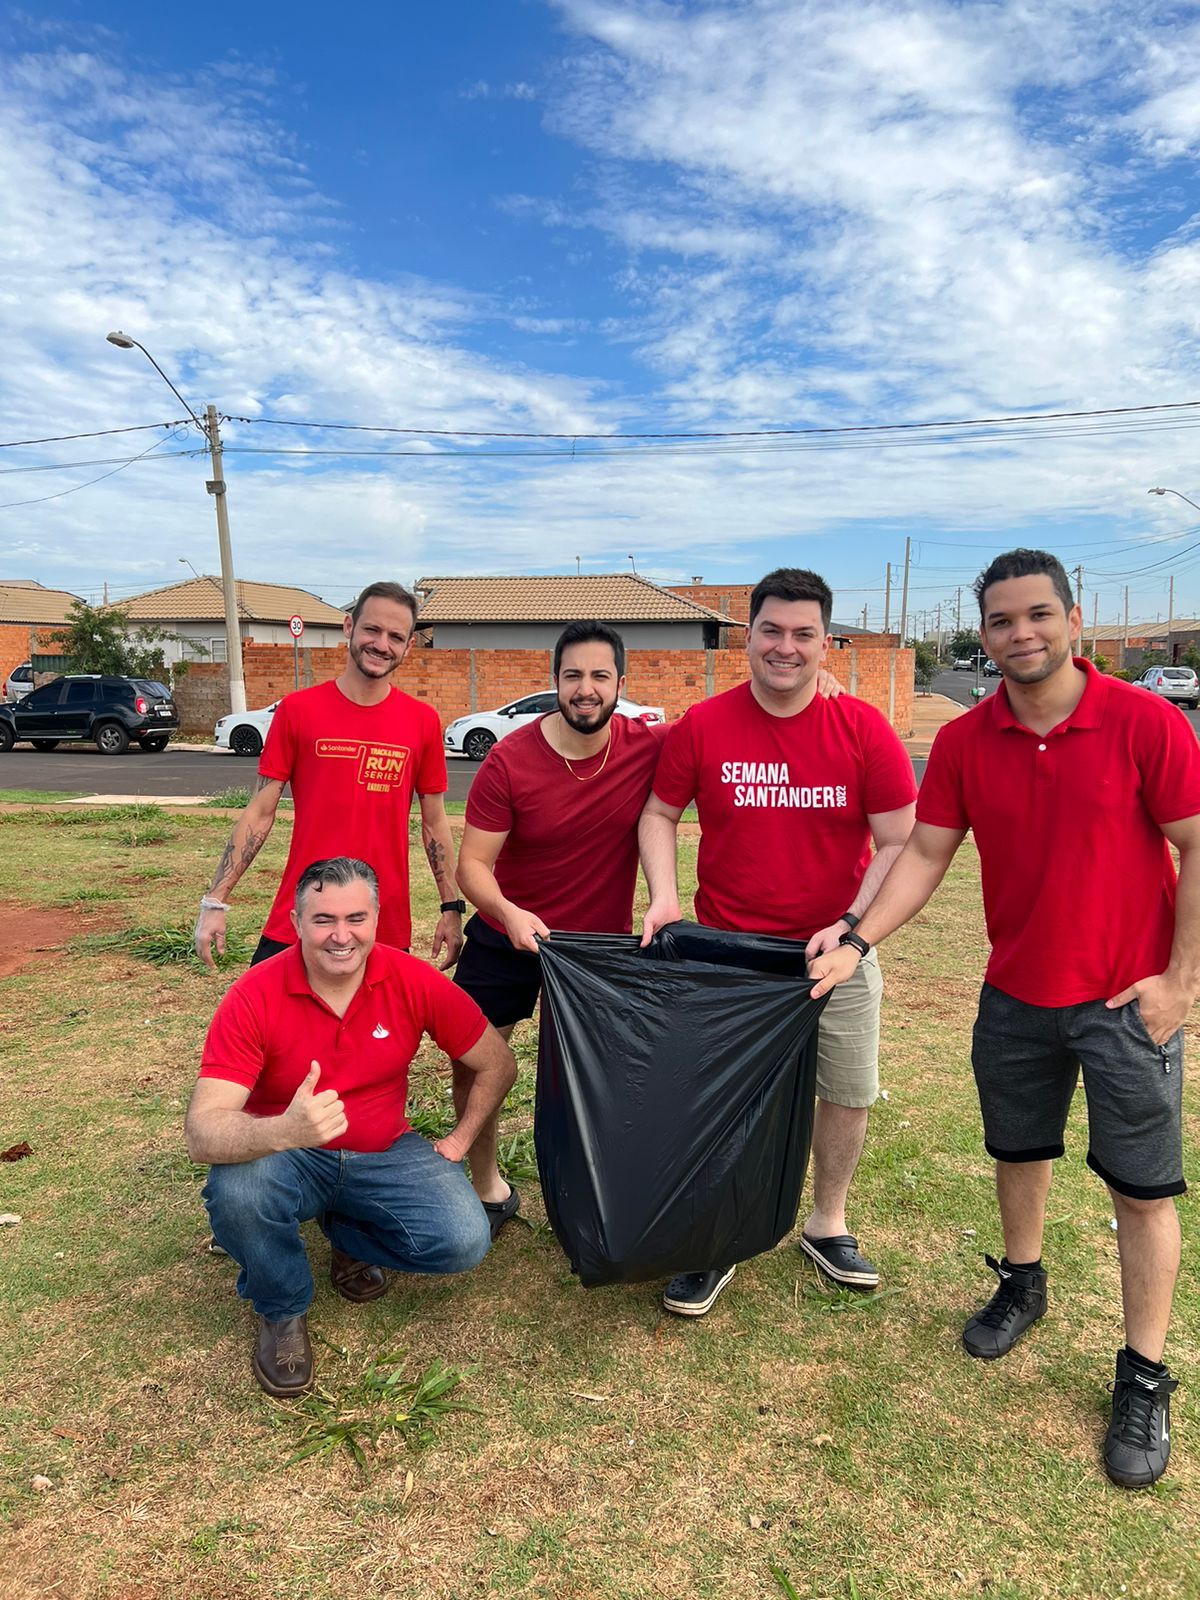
{"x": 223, "y": 865}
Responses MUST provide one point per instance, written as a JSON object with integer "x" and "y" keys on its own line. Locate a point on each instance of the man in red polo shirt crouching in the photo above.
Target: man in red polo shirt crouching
{"x": 300, "y": 1111}
{"x": 1072, "y": 783}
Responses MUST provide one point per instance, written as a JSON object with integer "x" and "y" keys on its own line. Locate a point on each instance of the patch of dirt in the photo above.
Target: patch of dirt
{"x": 33, "y": 933}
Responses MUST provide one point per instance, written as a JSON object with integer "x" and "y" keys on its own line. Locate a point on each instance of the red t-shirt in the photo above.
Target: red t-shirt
{"x": 783, "y": 805}
{"x": 571, "y": 855}
{"x": 352, "y": 770}
{"x": 271, "y": 1027}
{"x": 1078, "y": 881}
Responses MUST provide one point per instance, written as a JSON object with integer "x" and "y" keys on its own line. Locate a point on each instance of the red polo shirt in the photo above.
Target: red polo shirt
{"x": 271, "y": 1027}
{"x": 1078, "y": 881}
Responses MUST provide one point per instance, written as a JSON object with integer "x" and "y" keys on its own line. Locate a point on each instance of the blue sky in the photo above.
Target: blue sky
{"x": 602, "y": 217}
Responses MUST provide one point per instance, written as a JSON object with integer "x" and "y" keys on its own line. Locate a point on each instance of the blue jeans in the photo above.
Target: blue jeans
{"x": 406, "y": 1208}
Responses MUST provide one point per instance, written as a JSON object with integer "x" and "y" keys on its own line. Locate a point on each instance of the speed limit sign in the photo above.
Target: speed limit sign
{"x": 296, "y": 626}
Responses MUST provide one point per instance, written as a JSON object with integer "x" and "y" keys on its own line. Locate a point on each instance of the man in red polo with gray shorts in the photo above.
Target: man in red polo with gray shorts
{"x": 1073, "y": 784}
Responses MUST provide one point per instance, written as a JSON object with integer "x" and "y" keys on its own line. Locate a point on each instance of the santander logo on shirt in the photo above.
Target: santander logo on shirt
{"x": 768, "y": 784}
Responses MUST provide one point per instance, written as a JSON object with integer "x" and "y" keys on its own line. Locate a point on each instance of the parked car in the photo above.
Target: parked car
{"x": 1173, "y": 683}
{"x": 475, "y": 735}
{"x": 92, "y": 708}
{"x": 245, "y": 732}
{"x": 19, "y": 682}
{"x": 964, "y": 664}
{"x": 990, "y": 669}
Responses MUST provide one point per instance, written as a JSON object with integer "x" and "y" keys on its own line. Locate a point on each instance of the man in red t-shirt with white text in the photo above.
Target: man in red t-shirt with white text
{"x": 1072, "y": 784}
{"x": 354, "y": 751}
{"x": 792, "y": 790}
{"x": 300, "y": 1109}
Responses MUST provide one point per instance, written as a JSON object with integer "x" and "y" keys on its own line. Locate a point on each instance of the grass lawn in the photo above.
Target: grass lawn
{"x": 794, "y": 1442}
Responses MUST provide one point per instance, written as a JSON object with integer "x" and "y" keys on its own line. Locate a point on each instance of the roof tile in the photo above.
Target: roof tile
{"x": 203, "y": 600}
{"x": 608, "y": 597}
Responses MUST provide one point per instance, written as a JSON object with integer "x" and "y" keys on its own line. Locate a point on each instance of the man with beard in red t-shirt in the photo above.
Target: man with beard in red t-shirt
{"x": 550, "y": 842}
{"x": 791, "y": 790}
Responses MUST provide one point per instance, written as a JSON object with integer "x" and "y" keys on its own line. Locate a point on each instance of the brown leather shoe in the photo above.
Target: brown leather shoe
{"x": 356, "y": 1281}
{"x": 283, "y": 1358}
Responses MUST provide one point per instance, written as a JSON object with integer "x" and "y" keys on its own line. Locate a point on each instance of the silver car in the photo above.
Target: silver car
{"x": 1173, "y": 683}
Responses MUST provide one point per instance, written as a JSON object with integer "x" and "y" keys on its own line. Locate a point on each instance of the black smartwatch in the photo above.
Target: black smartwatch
{"x": 454, "y": 905}
{"x": 850, "y": 920}
{"x": 856, "y": 943}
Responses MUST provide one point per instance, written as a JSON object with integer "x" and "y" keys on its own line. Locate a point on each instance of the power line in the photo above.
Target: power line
{"x": 744, "y": 433}
{"x": 105, "y": 461}
{"x": 99, "y": 433}
{"x": 58, "y": 495}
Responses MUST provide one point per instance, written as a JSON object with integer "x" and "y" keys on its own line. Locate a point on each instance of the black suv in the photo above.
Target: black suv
{"x": 107, "y": 712}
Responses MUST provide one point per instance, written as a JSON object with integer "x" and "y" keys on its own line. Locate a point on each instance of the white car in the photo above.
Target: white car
{"x": 1173, "y": 683}
{"x": 19, "y": 682}
{"x": 245, "y": 732}
{"x": 475, "y": 735}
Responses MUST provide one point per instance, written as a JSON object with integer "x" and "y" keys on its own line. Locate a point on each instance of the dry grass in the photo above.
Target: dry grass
{"x": 615, "y": 1454}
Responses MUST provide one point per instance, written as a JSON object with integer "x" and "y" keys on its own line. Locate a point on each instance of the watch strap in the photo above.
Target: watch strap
{"x": 856, "y": 943}
{"x": 454, "y": 905}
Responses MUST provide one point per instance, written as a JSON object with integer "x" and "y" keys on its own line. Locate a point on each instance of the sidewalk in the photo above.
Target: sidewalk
{"x": 930, "y": 712}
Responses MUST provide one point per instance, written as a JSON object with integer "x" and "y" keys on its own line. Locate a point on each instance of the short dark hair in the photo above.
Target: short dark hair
{"x": 341, "y": 871}
{"x": 586, "y": 633}
{"x": 1025, "y": 564}
{"x": 385, "y": 591}
{"x": 793, "y": 583}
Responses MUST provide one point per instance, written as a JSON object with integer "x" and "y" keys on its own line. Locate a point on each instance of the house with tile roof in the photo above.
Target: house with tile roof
{"x": 528, "y": 613}
{"x": 195, "y": 612}
{"x": 28, "y": 613}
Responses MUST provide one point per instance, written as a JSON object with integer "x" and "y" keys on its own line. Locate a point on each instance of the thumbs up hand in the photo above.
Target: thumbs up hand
{"x": 313, "y": 1118}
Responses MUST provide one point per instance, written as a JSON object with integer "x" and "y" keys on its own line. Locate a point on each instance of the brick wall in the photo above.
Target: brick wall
{"x": 20, "y": 641}
{"x": 458, "y": 681}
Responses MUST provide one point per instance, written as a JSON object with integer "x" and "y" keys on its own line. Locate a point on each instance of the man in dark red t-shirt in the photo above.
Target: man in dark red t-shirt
{"x": 792, "y": 790}
{"x": 551, "y": 843}
{"x": 307, "y": 1059}
{"x": 1072, "y": 784}
{"x": 354, "y": 751}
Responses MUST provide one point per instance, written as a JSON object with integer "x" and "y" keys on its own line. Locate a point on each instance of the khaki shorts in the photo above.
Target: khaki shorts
{"x": 848, "y": 1039}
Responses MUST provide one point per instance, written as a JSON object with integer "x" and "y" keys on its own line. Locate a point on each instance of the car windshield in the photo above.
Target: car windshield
{"x": 1184, "y": 674}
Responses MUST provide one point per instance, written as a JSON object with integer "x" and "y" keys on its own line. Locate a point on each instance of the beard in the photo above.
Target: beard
{"x": 590, "y": 721}
{"x": 1046, "y": 668}
{"x": 368, "y": 666}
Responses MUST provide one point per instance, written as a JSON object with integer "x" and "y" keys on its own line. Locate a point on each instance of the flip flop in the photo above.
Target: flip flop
{"x": 501, "y": 1211}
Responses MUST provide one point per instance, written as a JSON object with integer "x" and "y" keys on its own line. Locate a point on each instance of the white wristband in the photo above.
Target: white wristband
{"x": 207, "y": 903}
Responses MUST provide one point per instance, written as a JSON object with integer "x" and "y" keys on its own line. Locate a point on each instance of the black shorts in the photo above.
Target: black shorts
{"x": 1027, "y": 1061}
{"x": 504, "y": 983}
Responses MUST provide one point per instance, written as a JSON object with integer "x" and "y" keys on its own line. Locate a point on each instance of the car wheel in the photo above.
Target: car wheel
{"x": 44, "y": 744}
{"x": 6, "y": 736}
{"x": 246, "y": 741}
{"x": 477, "y": 743}
{"x": 111, "y": 739}
{"x": 154, "y": 742}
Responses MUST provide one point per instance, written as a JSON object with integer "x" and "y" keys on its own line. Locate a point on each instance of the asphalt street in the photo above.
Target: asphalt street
{"x": 81, "y": 769}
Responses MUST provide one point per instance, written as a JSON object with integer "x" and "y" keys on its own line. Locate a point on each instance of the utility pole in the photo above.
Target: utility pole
{"x": 958, "y": 609}
{"x": 1170, "y": 619}
{"x": 887, "y": 601}
{"x": 939, "y": 630}
{"x": 904, "y": 590}
{"x": 1095, "y": 620}
{"x": 233, "y": 627}
{"x": 864, "y": 619}
{"x": 1125, "y": 635}
{"x": 1079, "y": 587}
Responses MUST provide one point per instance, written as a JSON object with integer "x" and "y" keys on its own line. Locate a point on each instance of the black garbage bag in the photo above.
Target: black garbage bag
{"x": 675, "y": 1098}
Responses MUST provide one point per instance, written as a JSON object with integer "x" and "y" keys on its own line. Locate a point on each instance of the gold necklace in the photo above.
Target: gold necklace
{"x": 599, "y": 769}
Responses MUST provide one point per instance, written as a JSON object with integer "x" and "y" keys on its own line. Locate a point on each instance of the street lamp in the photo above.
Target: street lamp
{"x": 215, "y": 485}
{"x": 1171, "y": 590}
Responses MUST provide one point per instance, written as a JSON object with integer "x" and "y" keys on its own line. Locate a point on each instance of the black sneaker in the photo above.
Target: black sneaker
{"x": 1137, "y": 1446}
{"x": 1016, "y": 1305}
{"x": 692, "y": 1294}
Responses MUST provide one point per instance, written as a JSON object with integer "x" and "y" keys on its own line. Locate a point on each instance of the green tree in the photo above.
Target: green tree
{"x": 925, "y": 662}
{"x": 103, "y": 639}
{"x": 1190, "y": 658}
{"x": 964, "y": 645}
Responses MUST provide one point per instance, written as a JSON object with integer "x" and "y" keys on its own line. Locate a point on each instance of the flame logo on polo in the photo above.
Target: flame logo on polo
{"x": 379, "y": 1031}
{"x": 381, "y": 767}
{"x": 768, "y": 785}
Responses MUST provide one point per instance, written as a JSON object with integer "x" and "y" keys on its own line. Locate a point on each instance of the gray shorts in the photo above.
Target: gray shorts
{"x": 1027, "y": 1061}
{"x": 848, "y": 1038}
